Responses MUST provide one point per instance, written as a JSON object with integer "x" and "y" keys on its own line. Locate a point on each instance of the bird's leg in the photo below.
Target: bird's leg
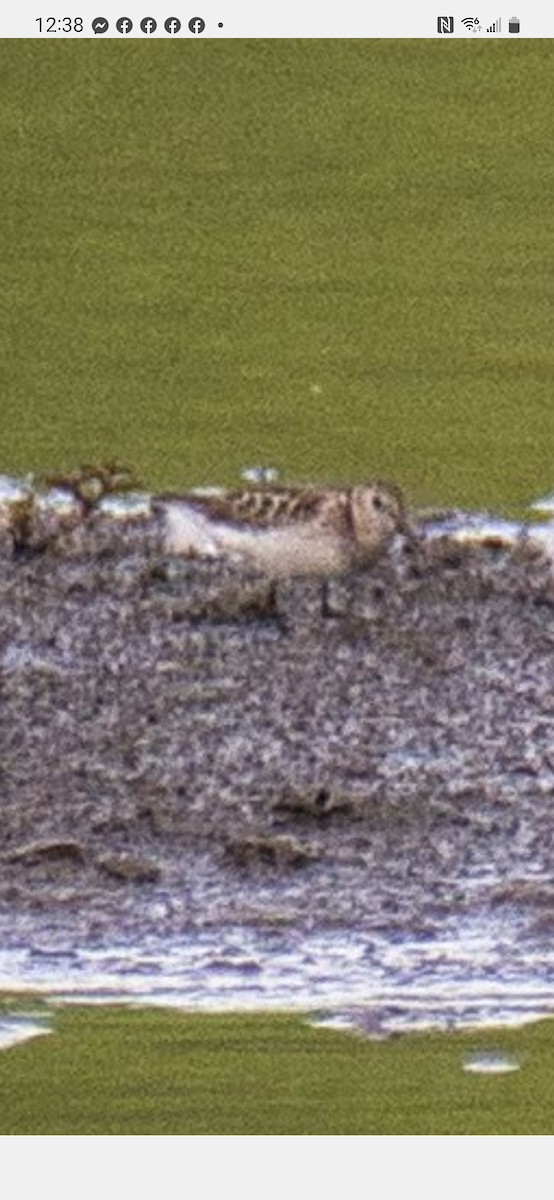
{"x": 327, "y": 609}
{"x": 272, "y": 606}
{"x": 272, "y": 609}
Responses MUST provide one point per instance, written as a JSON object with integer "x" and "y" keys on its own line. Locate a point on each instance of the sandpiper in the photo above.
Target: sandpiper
{"x": 286, "y": 532}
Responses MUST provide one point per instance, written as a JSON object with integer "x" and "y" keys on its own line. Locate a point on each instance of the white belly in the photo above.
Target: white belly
{"x": 292, "y": 550}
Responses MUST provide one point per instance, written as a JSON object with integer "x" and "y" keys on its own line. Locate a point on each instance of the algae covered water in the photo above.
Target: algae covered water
{"x": 327, "y": 255}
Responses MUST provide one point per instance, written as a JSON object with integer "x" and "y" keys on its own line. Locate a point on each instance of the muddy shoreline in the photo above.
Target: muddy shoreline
{"x": 169, "y": 747}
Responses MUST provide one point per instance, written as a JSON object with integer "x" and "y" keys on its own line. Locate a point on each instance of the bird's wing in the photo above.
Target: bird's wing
{"x": 260, "y": 507}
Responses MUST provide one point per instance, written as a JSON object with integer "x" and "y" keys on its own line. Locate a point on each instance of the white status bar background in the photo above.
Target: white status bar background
{"x": 246, "y": 19}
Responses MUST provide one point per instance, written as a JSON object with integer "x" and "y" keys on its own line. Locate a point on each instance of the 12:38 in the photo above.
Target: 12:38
{"x": 60, "y": 24}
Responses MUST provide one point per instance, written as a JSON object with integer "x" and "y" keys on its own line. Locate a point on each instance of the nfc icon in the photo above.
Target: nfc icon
{"x": 445, "y": 24}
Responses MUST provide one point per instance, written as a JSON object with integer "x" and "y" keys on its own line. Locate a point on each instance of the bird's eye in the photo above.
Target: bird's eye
{"x": 377, "y": 502}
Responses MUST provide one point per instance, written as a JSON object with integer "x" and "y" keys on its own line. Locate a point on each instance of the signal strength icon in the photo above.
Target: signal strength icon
{"x": 472, "y": 24}
{"x": 495, "y": 27}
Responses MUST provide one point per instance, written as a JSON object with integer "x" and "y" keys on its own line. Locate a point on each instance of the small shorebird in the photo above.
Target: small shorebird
{"x": 286, "y": 532}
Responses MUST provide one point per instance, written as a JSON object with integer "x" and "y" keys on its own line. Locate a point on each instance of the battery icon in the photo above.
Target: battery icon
{"x": 513, "y": 25}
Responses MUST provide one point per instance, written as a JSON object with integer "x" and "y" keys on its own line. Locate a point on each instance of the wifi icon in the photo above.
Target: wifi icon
{"x": 472, "y": 24}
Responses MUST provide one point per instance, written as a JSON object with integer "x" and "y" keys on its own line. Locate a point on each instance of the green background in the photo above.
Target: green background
{"x": 335, "y": 257}
{"x": 109, "y": 1070}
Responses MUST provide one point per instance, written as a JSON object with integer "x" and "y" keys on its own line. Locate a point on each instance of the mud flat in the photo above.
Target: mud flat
{"x": 179, "y": 765}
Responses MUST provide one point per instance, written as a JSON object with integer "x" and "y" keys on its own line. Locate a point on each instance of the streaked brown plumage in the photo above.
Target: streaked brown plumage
{"x": 283, "y": 532}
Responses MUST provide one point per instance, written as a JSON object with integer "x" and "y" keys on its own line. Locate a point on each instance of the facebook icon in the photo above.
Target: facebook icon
{"x": 197, "y": 25}
{"x": 172, "y": 25}
{"x": 148, "y": 25}
{"x": 124, "y": 25}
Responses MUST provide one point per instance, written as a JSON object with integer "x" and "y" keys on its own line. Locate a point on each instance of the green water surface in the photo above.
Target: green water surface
{"x": 335, "y": 257}
{"x": 145, "y": 1071}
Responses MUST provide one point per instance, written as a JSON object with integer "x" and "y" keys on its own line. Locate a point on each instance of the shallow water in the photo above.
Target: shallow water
{"x": 16, "y": 1028}
{"x": 470, "y": 972}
